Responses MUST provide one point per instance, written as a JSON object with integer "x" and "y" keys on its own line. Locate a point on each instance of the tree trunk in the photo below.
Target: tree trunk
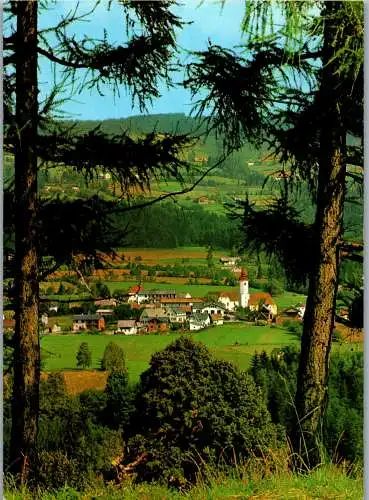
{"x": 25, "y": 402}
{"x": 311, "y": 394}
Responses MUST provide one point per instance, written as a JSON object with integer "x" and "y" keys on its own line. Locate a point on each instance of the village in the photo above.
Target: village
{"x": 160, "y": 311}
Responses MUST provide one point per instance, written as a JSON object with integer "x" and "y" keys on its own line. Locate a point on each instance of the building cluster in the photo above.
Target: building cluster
{"x": 161, "y": 310}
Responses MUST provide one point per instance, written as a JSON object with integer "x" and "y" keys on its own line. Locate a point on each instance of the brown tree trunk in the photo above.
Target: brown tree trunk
{"x": 25, "y": 402}
{"x": 311, "y": 394}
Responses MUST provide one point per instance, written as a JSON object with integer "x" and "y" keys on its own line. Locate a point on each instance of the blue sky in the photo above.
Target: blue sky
{"x": 222, "y": 26}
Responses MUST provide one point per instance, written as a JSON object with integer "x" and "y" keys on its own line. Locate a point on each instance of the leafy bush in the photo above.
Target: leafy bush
{"x": 113, "y": 358}
{"x": 192, "y": 409}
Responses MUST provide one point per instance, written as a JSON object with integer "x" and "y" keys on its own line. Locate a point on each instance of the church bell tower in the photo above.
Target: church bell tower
{"x": 244, "y": 288}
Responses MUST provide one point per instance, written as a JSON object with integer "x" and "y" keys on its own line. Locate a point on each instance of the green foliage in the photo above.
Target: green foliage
{"x": 113, "y": 358}
{"x": 84, "y": 356}
{"x": 342, "y": 432}
{"x": 119, "y": 400}
{"x": 190, "y": 408}
{"x": 73, "y": 447}
{"x": 123, "y": 311}
{"x": 99, "y": 289}
{"x": 356, "y": 310}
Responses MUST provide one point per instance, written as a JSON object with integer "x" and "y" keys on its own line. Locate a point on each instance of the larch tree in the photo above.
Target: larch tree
{"x": 296, "y": 86}
{"x": 50, "y": 231}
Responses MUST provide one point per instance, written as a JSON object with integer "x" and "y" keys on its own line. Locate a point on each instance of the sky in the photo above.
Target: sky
{"x": 209, "y": 21}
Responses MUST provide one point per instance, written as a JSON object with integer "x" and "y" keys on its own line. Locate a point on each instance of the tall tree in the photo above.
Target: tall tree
{"x": 25, "y": 400}
{"x": 52, "y": 231}
{"x": 298, "y": 89}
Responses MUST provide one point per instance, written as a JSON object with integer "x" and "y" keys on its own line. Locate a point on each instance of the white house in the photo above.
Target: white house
{"x": 126, "y": 327}
{"x": 229, "y": 300}
{"x": 213, "y": 308}
{"x": 176, "y": 315}
{"x": 199, "y": 321}
{"x": 217, "y": 319}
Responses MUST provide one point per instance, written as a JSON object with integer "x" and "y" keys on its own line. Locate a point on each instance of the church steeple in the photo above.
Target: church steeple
{"x": 244, "y": 288}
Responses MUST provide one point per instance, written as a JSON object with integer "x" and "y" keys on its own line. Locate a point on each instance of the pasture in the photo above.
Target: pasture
{"x": 235, "y": 342}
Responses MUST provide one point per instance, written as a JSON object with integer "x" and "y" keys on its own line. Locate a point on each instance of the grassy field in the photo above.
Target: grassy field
{"x": 328, "y": 482}
{"x": 235, "y": 342}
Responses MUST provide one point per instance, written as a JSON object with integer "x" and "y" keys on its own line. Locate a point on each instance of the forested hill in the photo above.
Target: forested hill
{"x": 178, "y": 123}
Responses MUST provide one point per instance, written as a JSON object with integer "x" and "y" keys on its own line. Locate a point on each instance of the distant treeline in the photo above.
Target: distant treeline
{"x": 169, "y": 225}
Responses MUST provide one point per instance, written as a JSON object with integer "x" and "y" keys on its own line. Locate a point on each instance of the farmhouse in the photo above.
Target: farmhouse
{"x": 176, "y": 315}
{"x": 229, "y": 261}
{"x": 261, "y": 299}
{"x": 217, "y": 319}
{"x": 198, "y": 321}
{"x": 155, "y": 295}
{"x": 88, "y": 322}
{"x": 213, "y": 308}
{"x": 127, "y": 327}
{"x": 230, "y": 300}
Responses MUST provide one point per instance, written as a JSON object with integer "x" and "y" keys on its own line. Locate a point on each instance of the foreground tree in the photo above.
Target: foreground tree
{"x": 300, "y": 91}
{"x": 27, "y": 350}
{"x": 193, "y": 410}
{"x": 47, "y": 231}
{"x": 113, "y": 358}
{"x": 84, "y": 356}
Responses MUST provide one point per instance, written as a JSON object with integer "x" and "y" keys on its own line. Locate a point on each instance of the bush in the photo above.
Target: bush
{"x": 192, "y": 409}
{"x": 113, "y": 358}
{"x": 54, "y": 470}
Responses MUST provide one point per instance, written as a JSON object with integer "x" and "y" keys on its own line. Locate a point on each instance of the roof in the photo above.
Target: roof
{"x": 186, "y": 309}
{"x": 230, "y": 295}
{"x": 88, "y": 317}
{"x": 175, "y": 310}
{"x": 106, "y": 302}
{"x": 214, "y": 304}
{"x": 158, "y": 292}
{"x": 155, "y": 312}
{"x": 244, "y": 274}
{"x": 199, "y": 317}
{"x": 135, "y": 289}
{"x": 182, "y": 300}
{"x": 126, "y": 323}
{"x": 8, "y": 323}
{"x": 255, "y": 298}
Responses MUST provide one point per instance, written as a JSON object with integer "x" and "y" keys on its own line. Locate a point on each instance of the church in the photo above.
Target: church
{"x": 244, "y": 299}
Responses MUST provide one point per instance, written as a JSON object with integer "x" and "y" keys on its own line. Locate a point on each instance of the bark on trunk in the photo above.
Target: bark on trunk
{"x": 311, "y": 394}
{"x": 25, "y": 402}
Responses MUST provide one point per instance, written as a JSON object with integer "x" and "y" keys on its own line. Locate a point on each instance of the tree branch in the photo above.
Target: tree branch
{"x": 169, "y": 195}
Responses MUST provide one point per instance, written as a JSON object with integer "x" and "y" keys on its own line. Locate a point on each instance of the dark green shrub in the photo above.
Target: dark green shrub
{"x": 191, "y": 408}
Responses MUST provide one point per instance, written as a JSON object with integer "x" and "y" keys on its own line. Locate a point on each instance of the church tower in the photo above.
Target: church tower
{"x": 244, "y": 288}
